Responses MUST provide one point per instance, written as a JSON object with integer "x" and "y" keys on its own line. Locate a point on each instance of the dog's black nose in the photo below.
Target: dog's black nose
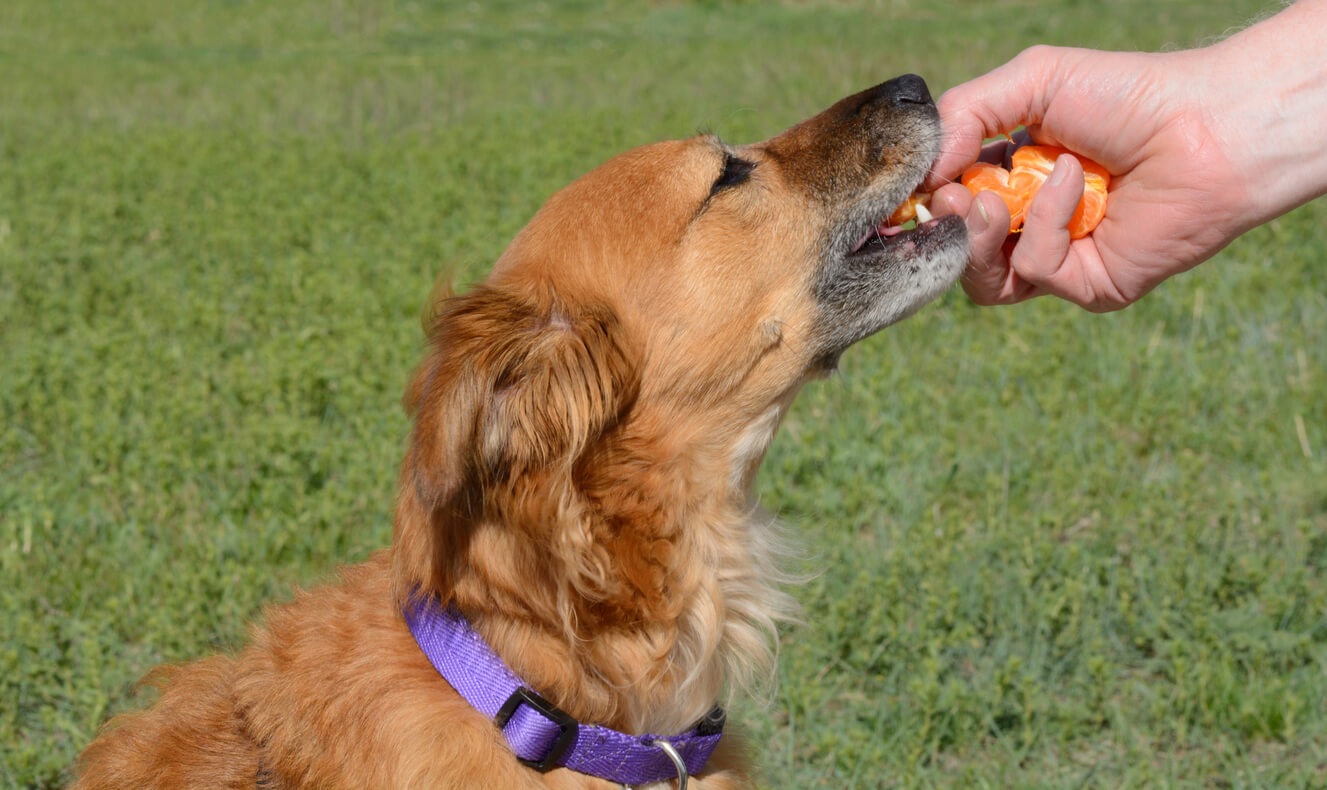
{"x": 901, "y": 93}
{"x": 908, "y": 89}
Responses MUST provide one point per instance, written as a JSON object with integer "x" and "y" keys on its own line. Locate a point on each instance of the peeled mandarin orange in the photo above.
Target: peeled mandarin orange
{"x": 1035, "y": 162}
{"x": 1031, "y": 166}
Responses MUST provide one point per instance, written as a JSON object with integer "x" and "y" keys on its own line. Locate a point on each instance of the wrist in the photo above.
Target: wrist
{"x": 1269, "y": 85}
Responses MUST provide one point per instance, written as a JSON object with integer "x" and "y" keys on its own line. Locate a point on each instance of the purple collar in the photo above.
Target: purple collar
{"x": 542, "y": 736}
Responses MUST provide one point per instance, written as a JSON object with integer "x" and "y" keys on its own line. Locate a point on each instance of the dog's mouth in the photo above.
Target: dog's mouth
{"x": 885, "y": 265}
{"x": 902, "y": 231}
{"x": 895, "y": 229}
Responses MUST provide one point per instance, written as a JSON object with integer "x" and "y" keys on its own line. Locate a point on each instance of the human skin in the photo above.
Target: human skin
{"x": 1202, "y": 145}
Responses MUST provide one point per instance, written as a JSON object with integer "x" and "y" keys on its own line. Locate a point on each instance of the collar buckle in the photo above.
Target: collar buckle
{"x": 568, "y": 727}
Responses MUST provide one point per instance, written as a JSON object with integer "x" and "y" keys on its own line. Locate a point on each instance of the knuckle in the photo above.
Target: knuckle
{"x": 1043, "y": 212}
{"x": 978, "y": 295}
{"x": 1037, "y": 53}
{"x": 1053, "y": 209}
{"x": 1049, "y": 52}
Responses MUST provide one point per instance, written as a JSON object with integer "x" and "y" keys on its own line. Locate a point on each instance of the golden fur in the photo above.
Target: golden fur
{"x": 587, "y": 425}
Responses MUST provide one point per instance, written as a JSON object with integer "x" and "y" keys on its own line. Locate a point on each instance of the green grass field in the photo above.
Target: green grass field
{"x": 1053, "y": 549}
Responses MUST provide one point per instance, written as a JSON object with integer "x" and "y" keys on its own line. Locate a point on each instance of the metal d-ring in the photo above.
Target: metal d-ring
{"x": 668, "y": 749}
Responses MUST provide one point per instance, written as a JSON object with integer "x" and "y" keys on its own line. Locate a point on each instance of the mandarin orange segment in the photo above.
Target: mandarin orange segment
{"x": 908, "y": 211}
{"x": 1031, "y": 166}
{"x": 986, "y": 177}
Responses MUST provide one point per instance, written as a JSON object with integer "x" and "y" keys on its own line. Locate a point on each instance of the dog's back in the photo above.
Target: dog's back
{"x": 332, "y": 693}
{"x": 160, "y": 747}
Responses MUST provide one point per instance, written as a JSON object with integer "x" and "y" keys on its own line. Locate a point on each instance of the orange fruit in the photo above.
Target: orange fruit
{"x": 908, "y": 211}
{"x": 1035, "y": 162}
{"x": 1031, "y": 166}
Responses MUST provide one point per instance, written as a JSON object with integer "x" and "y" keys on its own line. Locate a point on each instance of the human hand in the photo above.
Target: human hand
{"x": 1176, "y": 197}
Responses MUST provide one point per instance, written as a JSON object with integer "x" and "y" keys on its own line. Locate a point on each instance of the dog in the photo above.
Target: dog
{"x": 575, "y": 504}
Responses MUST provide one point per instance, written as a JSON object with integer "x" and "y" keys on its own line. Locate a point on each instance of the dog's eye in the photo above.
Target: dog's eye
{"x": 735, "y": 171}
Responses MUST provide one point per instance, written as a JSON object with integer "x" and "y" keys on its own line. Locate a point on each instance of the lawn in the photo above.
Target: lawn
{"x": 1050, "y": 549}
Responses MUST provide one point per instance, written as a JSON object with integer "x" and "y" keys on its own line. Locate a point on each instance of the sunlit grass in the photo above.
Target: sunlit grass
{"x": 1055, "y": 549}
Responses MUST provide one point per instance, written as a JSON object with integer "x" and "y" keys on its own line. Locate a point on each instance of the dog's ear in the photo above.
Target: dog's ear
{"x": 514, "y": 389}
{"x": 512, "y": 384}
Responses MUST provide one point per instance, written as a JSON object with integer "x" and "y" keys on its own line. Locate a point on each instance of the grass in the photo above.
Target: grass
{"x": 1056, "y": 550}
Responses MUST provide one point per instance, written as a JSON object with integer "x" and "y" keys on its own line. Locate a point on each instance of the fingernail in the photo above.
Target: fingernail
{"x": 1060, "y": 170}
{"x": 980, "y": 221}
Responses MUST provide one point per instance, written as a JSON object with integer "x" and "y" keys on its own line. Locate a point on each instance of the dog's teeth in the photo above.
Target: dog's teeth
{"x": 923, "y": 214}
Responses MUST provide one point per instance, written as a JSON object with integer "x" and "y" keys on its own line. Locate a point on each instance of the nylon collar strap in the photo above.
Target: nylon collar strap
{"x": 542, "y": 736}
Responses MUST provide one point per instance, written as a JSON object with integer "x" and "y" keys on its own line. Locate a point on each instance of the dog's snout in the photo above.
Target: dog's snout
{"x": 848, "y": 145}
{"x": 907, "y": 89}
{"x": 901, "y": 93}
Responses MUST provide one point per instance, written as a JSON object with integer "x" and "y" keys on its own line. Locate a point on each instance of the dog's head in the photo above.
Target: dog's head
{"x": 668, "y": 305}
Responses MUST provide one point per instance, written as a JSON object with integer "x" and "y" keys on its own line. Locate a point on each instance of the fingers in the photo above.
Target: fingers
{"x": 988, "y": 279}
{"x": 1046, "y": 257}
{"x": 986, "y": 215}
{"x": 1003, "y": 269}
{"x": 1014, "y": 94}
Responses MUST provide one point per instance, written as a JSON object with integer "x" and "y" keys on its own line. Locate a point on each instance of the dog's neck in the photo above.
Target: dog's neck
{"x": 631, "y": 589}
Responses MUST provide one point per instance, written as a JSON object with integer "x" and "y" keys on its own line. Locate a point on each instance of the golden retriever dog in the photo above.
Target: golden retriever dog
{"x": 577, "y": 488}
